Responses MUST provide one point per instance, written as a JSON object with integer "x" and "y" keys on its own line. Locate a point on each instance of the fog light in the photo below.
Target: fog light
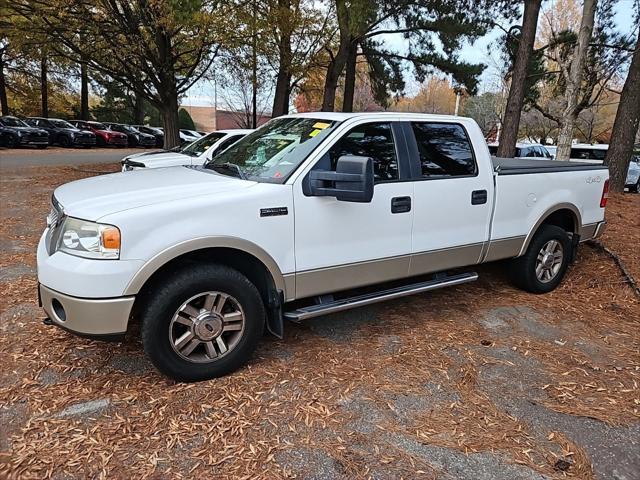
{"x": 58, "y": 310}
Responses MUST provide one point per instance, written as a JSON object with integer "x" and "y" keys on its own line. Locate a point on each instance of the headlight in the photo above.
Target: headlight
{"x": 89, "y": 239}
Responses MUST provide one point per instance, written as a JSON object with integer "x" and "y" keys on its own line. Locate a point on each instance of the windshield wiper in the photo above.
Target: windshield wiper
{"x": 228, "y": 166}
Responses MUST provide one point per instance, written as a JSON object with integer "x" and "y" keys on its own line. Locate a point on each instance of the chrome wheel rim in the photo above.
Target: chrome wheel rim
{"x": 549, "y": 261}
{"x": 206, "y": 327}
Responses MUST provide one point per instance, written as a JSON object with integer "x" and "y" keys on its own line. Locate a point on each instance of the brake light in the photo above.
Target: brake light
{"x": 605, "y": 194}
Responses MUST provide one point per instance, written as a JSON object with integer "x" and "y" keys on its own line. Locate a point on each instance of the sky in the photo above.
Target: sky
{"x": 202, "y": 93}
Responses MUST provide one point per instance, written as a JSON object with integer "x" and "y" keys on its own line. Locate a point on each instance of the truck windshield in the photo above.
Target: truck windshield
{"x": 273, "y": 151}
{"x": 197, "y": 148}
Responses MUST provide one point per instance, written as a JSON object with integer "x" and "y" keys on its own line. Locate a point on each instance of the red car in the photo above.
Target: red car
{"x": 104, "y": 136}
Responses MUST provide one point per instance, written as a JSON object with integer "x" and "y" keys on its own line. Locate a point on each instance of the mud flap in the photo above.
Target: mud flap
{"x": 275, "y": 317}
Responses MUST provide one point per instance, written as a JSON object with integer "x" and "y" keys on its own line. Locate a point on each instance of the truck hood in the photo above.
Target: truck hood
{"x": 166, "y": 159}
{"x": 95, "y": 197}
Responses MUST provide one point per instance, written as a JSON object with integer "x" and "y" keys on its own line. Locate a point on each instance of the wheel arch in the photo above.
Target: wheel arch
{"x": 246, "y": 257}
{"x": 563, "y": 215}
{"x": 198, "y": 247}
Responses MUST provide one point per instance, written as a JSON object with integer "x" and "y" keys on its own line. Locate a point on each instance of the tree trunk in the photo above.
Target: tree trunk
{"x": 44, "y": 86}
{"x": 337, "y": 63}
{"x": 138, "y": 109}
{"x": 169, "y": 111}
{"x": 4, "y": 103}
{"x": 283, "y": 78}
{"x": 574, "y": 81}
{"x": 281, "y": 98}
{"x": 350, "y": 78}
{"x": 84, "y": 92}
{"x": 625, "y": 126}
{"x": 511, "y": 121}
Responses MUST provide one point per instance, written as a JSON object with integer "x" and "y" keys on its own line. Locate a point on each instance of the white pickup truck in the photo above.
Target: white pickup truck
{"x": 308, "y": 215}
{"x": 194, "y": 153}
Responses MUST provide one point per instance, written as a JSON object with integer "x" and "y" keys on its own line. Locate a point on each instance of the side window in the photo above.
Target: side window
{"x": 373, "y": 140}
{"x": 444, "y": 150}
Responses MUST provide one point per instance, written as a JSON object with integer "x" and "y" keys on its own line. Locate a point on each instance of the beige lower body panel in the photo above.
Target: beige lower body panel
{"x": 344, "y": 277}
{"x": 87, "y": 316}
{"x": 354, "y": 275}
{"x": 591, "y": 231}
{"x": 504, "y": 248}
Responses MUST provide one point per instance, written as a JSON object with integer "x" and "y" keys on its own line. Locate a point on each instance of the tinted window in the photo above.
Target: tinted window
{"x": 588, "y": 153}
{"x": 374, "y": 140}
{"x": 444, "y": 150}
{"x": 493, "y": 149}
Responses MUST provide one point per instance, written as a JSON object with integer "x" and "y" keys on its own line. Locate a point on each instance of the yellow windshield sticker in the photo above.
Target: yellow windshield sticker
{"x": 314, "y": 133}
{"x": 321, "y": 125}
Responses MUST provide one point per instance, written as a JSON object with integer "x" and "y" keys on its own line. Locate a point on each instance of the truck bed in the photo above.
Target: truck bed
{"x": 521, "y": 166}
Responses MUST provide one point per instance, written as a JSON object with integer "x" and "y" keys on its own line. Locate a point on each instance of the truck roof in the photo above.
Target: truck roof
{"x": 341, "y": 116}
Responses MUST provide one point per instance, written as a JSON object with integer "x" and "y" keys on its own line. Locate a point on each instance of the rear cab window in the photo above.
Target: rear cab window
{"x": 444, "y": 150}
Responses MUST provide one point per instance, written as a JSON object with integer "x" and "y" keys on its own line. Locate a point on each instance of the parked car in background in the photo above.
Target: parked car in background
{"x": 193, "y": 133}
{"x": 525, "y": 150}
{"x": 588, "y": 152}
{"x": 104, "y": 136}
{"x": 156, "y": 132}
{"x": 135, "y": 137}
{"x": 184, "y": 137}
{"x": 633, "y": 175}
{"x": 195, "y": 153}
{"x": 19, "y": 134}
{"x": 596, "y": 153}
{"x": 63, "y": 133}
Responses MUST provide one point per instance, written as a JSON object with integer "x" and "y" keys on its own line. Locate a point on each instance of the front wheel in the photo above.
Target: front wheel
{"x": 635, "y": 188}
{"x": 203, "y": 322}
{"x": 545, "y": 262}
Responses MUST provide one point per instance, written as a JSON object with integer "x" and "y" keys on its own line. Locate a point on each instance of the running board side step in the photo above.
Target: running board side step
{"x": 312, "y": 311}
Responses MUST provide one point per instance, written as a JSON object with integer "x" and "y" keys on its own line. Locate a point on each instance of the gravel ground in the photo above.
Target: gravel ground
{"x": 475, "y": 382}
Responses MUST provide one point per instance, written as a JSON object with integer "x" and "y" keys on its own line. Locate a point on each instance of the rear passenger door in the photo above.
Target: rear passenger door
{"x": 452, "y": 208}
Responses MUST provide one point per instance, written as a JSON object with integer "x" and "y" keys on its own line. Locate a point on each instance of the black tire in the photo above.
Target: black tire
{"x": 64, "y": 141}
{"x": 635, "y": 188}
{"x": 100, "y": 142}
{"x": 42, "y": 147}
{"x": 12, "y": 141}
{"x": 523, "y": 269}
{"x": 166, "y": 299}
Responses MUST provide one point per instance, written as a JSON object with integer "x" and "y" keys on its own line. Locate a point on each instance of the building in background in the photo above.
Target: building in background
{"x": 208, "y": 119}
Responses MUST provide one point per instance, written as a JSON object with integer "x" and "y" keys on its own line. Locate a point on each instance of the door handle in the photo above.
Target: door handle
{"x": 400, "y": 204}
{"x": 478, "y": 197}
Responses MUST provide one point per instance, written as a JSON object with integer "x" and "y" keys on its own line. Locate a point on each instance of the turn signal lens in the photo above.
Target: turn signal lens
{"x": 110, "y": 238}
{"x": 605, "y": 194}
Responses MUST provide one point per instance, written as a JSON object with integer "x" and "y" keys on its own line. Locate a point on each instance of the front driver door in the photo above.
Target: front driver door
{"x": 341, "y": 245}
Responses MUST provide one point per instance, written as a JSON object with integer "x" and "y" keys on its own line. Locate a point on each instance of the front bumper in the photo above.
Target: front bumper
{"x": 84, "y": 141}
{"x": 27, "y": 140}
{"x": 89, "y": 317}
{"x": 118, "y": 141}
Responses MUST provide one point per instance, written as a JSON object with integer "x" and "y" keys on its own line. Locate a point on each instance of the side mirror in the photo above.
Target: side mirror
{"x": 351, "y": 182}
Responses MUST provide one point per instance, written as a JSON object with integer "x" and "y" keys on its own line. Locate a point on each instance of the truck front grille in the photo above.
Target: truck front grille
{"x": 55, "y": 219}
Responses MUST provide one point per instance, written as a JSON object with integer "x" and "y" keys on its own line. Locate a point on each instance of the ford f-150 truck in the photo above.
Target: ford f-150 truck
{"x": 308, "y": 215}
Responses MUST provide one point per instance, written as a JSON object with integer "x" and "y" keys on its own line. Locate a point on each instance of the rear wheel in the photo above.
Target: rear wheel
{"x": 545, "y": 262}
{"x": 64, "y": 141}
{"x": 202, "y": 323}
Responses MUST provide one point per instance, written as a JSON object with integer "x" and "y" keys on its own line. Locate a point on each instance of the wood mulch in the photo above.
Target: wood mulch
{"x": 302, "y": 393}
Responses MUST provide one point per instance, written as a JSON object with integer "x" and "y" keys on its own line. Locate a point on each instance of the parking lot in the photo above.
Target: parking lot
{"x": 480, "y": 381}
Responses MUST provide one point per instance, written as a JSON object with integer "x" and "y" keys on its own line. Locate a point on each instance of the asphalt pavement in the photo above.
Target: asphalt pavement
{"x": 31, "y": 157}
